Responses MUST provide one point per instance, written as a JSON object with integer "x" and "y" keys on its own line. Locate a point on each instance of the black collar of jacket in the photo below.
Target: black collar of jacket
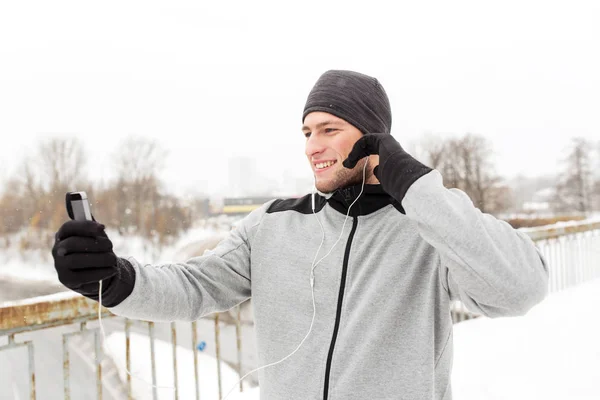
{"x": 372, "y": 199}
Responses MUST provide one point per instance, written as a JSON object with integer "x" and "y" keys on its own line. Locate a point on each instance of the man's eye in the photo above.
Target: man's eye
{"x": 307, "y": 135}
{"x": 329, "y": 130}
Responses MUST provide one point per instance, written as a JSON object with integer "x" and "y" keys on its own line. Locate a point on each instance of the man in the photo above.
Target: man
{"x": 382, "y": 327}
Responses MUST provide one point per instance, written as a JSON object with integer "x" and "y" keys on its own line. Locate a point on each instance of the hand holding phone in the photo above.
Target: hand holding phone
{"x": 83, "y": 256}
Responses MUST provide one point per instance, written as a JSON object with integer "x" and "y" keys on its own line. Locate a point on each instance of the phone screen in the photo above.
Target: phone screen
{"x": 78, "y": 206}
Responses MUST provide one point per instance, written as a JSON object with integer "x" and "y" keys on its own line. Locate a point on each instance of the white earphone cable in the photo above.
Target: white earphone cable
{"x": 312, "y": 279}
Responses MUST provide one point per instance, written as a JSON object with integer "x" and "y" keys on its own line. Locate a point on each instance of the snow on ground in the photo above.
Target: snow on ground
{"x": 552, "y": 353}
{"x": 47, "y": 298}
{"x": 141, "y": 381}
{"x": 594, "y": 218}
{"x": 33, "y": 265}
{"x": 146, "y": 253}
{"x": 37, "y": 264}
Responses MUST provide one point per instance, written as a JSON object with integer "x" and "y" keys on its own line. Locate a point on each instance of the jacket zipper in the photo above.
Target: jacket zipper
{"x": 339, "y": 308}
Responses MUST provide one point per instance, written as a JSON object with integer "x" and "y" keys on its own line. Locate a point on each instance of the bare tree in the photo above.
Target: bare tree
{"x": 575, "y": 185}
{"x": 481, "y": 182}
{"x": 13, "y": 215}
{"x": 139, "y": 159}
{"x": 56, "y": 166}
{"x": 596, "y": 195}
{"x": 465, "y": 163}
{"x": 34, "y": 198}
{"x": 434, "y": 149}
{"x": 138, "y": 164}
{"x": 62, "y": 164}
{"x": 596, "y": 178}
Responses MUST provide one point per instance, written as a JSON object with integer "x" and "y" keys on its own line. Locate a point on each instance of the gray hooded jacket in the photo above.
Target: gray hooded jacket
{"x": 383, "y": 328}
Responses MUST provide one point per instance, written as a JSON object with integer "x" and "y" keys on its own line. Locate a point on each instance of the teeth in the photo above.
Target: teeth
{"x": 325, "y": 164}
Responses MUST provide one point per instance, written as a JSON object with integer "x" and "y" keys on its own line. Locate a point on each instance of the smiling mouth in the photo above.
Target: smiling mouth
{"x": 322, "y": 166}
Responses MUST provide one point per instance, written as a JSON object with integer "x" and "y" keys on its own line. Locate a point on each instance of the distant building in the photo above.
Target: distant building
{"x": 243, "y": 205}
{"x": 242, "y": 175}
{"x": 541, "y": 200}
{"x": 530, "y": 206}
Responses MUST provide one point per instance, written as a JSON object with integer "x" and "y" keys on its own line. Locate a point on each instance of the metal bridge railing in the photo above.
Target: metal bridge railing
{"x": 572, "y": 253}
{"x": 76, "y": 313}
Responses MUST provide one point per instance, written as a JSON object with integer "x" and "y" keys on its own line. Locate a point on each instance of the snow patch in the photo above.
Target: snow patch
{"x": 41, "y": 299}
{"x": 552, "y": 353}
{"x": 114, "y": 347}
{"x": 37, "y": 264}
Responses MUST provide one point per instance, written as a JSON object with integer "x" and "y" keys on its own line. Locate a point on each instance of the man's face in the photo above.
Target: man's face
{"x": 329, "y": 140}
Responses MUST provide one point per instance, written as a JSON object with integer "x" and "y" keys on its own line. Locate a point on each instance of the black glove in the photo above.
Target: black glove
{"x": 397, "y": 169}
{"x": 83, "y": 256}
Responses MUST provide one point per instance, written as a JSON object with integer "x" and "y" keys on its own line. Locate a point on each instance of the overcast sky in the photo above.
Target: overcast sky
{"x": 211, "y": 80}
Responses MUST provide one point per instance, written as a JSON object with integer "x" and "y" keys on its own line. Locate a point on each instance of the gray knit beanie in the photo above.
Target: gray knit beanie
{"x": 353, "y": 97}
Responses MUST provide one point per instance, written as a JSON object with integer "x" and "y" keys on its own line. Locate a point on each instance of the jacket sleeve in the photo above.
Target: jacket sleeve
{"x": 494, "y": 269}
{"x": 214, "y": 282}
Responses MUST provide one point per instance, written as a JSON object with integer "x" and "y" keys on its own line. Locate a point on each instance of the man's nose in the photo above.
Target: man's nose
{"x": 314, "y": 145}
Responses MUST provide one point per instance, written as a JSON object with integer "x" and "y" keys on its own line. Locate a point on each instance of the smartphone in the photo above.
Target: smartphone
{"x": 78, "y": 206}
